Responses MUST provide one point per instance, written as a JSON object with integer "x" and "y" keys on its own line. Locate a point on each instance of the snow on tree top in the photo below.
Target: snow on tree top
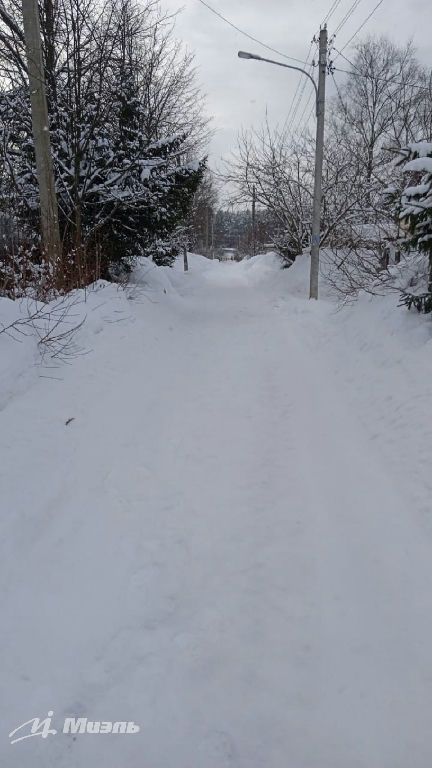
{"x": 421, "y": 148}
{"x": 422, "y": 164}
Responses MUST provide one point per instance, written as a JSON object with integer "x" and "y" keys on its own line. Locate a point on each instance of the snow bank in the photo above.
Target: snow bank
{"x": 155, "y": 279}
{"x": 248, "y": 272}
{"x": 381, "y": 354}
{"x": 23, "y": 360}
{"x": 197, "y": 263}
{"x": 33, "y": 348}
{"x": 262, "y": 267}
{"x": 387, "y": 371}
{"x": 18, "y": 352}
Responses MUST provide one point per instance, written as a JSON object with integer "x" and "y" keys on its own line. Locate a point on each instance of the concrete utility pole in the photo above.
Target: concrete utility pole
{"x": 50, "y": 232}
{"x": 319, "y": 147}
{"x": 319, "y": 151}
{"x": 207, "y": 230}
{"x": 253, "y": 220}
{"x": 212, "y": 234}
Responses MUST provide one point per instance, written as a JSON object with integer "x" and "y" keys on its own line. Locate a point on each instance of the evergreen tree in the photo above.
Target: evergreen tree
{"x": 121, "y": 193}
{"x": 416, "y": 215}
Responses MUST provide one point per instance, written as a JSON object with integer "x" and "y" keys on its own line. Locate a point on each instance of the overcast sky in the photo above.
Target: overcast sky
{"x": 238, "y": 91}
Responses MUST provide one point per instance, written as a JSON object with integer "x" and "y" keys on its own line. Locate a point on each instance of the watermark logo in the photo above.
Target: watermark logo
{"x": 37, "y": 728}
{"x": 71, "y": 725}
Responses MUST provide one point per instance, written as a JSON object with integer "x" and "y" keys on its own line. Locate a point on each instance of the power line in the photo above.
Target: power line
{"x": 298, "y": 94}
{"x": 246, "y": 34}
{"x": 304, "y": 112}
{"x": 300, "y": 87}
{"x": 386, "y": 79}
{"x": 362, "y": 25}
{"x": 345, "y": 109}
{"x": 343, "y": 21}
{"x": 288, "y": 122}
{"x": 349, "y": 13}
{"x": 300, "y": 98}
{"x": 351, "y": 63}
{"x": 326, "y": 18}
{"x": 331, "y": 11}
{"x": 305, "y": 127}
{"x": 328, "y": 15}
{"x": 287, "y": 119}
{"x": 359, "y": 73}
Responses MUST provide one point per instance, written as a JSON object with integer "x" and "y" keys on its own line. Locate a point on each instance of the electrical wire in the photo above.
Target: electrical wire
{"x": 340, "y": 25}
{"x": 305, "y": 127}
{"x": 301, "y": 94}
{"x": 333, "y": 8}
{"x": 298, "y": 94}
{"x": 349, "y": 13}
{"x": 362, "y": 25}
{"x": 326, "y": 18}
{"x": 391, "y": 82}
{"x": 274, "y": 50}
{"x": 331, "y": 11}
{"x": 297, "y": 98}
{"x": 246, "y": 34}
{"x": 300, "y": 122}
{"x": 351, "y": 63}
{"x": 344, "y": 107}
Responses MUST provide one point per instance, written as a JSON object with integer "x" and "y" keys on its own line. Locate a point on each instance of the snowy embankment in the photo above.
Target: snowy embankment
{"x": 381, "y": 356}
{"x": 217, "y": 524}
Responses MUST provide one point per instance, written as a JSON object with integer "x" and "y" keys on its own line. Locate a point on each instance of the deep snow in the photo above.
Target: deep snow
{"x": 231, "y": 543}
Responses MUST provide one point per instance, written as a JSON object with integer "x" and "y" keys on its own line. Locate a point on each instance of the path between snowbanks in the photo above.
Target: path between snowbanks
{"x": 219, "y": 547}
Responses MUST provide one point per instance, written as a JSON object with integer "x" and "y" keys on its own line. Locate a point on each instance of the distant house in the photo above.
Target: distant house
{"x": 373, "y": 237}
{"x": 229, "y": 254}
{"x": 268, "y": 247}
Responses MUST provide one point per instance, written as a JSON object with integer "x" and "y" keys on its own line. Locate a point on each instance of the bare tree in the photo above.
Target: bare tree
{"x": 384, "y": 104}
{"x": 281, "y": 172}
{"x": 169, "y": 91}
{"x": 202, "y": 215}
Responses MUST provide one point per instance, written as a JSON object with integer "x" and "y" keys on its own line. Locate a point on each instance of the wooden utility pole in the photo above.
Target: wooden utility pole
{"x": 319, "y": 152}
{"x": 50, "y": 232}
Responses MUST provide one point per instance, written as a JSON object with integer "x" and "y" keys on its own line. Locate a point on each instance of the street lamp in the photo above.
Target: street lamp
{"x": 319, "y": 148}
{"x": 247, "y": 55}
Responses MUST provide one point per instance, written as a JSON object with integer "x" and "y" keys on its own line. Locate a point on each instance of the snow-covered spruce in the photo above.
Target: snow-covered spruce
{"x": 416, "y": 216}
{"x": 126, "y": 135}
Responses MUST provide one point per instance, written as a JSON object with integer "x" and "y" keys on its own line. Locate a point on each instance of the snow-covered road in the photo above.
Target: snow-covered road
{"x": 222, "y": 546}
